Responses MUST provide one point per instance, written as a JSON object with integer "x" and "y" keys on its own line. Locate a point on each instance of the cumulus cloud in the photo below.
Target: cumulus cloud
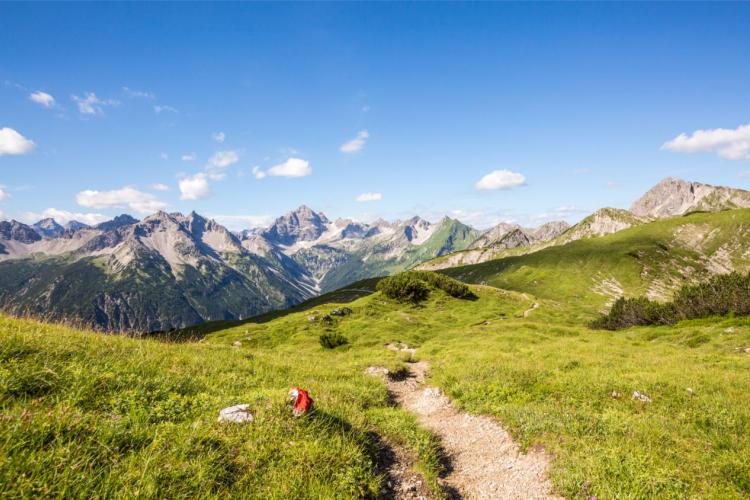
{"x": 258, "y": 173}
{"x": 355, "y": 144}
{"x": 501, "y": 179}
{"x": 219, "y": 137}
{"x": 127, "y": 197}
{"x": 159, "y": 187}
{"x": 194, "y": 187}
{"x": 42, "y": 98}
{"x": 64, "y": 216}
{"x": 13, "y": 143}
{"x": 90, "y": 104}
{"x": 369, "y": 197}
{"x": 730, "y": 144}
{"x": 190, "y": 157}
{"x": 161, "y": 108}
{"x": 145, "y": 94}
{"x": 293, "y": 167}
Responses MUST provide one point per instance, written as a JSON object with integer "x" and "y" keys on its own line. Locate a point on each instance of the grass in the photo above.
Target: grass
{"x": 85, "y": 415}
{"x": 88, "y": 415}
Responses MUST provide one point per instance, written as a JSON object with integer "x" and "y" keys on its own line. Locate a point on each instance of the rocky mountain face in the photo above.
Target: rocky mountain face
{"x": 172, "y": 270}
{"x": 48, "y": 228}
{"x": 676, "y": 197}
{"x": 163, "y": 272}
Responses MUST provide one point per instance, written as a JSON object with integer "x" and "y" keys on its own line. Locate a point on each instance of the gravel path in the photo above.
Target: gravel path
{"x": 485, "y": 463}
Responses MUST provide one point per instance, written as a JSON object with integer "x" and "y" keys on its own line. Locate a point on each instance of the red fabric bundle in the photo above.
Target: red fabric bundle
{"x": 302, "y": 401}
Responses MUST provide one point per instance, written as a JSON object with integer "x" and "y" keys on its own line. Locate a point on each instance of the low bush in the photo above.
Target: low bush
{"x": 332, "y": 340}
{"x": 721, "y": 295}
{"x": 414, "y": 286}
{"x": 404, "y": 287}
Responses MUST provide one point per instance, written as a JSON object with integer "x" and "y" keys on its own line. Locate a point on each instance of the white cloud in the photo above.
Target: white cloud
{"x": 240, "y": 222}
{"x": 13, "y": 143}
{"x": 126, "y": 197}
{"x": 293, "y": 167}
{"x": 219, "y": 137}
{"x": 3, "y": 194}
{"x": 190, "y": 157}
{"x": 159, "y": 187}
{"x": 139, "y": 93}
{"x": 258, "y": 173}
{"x": 160, "y": 108}
{"x": 194, "y": 187}
{"x": 219, "y": 161}
{"x": 164, "y": 156}
{"x": 64, "y": 216}
{"x": 355, "y": 144}
{"x": 369, "y": 197}
{"x": 2, "y": 215}
{"x": 89, "y": 104}
{"x": 42, "y": 98}
{"x": 730, "y": 144}
{"x": 501, "y": 179}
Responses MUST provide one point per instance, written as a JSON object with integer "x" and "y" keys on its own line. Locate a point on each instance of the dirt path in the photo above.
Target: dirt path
{"x": 528, "y": 311}
{"x": 485, "y": 463}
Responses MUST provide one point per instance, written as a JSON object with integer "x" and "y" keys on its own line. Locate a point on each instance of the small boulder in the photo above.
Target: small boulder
{"x": 378, "y": 371}
{"x": 237, "y": 414}
{"x": 690, "y": 391}
{"x": 342, "y": 311}
{"x": 616, "y": 395}
{"x": 236, "y": 343}
{"x": 638, "y": 396}
{"x": 312, "y": 318}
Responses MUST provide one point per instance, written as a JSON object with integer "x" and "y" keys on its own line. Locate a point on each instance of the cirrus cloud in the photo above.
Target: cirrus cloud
{"x": 355, "y": 144}
{"x": 730, "y": 144}
{"x": 13, "y": 143}
{"x": 90, "y": 104}
{"x": 126, "y": 197}
{"x": 501, "y": 179}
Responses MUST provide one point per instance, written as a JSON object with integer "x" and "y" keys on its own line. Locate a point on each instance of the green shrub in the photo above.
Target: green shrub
{"x": 404, "y": 287}
{"x": 720, "y": 295}
{"x": 633, "y": 312}
{"x": 414, "y": 286}
{"x": 332, "y": 340}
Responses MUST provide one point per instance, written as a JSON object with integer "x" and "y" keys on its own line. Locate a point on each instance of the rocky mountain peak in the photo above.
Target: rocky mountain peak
{"x": 302, "y": 224}
{"x": 75, "y": 225}
{"x": 48, "y": 228}
{"x": 117, "y": 222}
{"x": 18, "y": 231}
{"x": 673, "y": 196}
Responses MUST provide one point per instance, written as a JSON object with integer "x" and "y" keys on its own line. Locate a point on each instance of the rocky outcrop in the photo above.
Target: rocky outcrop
{"x": 676, "y": 197}
{"x": 302, "y": 224}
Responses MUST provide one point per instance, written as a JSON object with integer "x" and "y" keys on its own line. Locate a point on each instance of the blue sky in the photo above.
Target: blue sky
{"x": 553, "y": 110}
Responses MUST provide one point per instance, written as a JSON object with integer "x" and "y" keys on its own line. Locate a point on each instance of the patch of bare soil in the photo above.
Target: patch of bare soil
{"x": 485, "y": 462}
{"x": 396, "y": 466}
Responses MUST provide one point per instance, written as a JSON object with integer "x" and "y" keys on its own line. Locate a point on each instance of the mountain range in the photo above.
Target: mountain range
{"x": 171, "y": 270}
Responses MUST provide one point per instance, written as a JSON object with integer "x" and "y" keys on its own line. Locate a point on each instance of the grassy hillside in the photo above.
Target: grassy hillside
{"x": 650, "y": 259}
{"x": 84, "y": 414}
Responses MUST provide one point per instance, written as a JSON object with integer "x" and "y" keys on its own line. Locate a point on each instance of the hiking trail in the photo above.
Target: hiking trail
{"x": 484, "y": 461}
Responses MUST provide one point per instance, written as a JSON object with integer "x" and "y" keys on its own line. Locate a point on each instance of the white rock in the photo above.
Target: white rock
{"x": 237, "y": 413}
{"x": 641, "y": 397}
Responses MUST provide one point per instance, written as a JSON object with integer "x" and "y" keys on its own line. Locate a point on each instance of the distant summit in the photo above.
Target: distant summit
{"x": 676, "y": 197}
